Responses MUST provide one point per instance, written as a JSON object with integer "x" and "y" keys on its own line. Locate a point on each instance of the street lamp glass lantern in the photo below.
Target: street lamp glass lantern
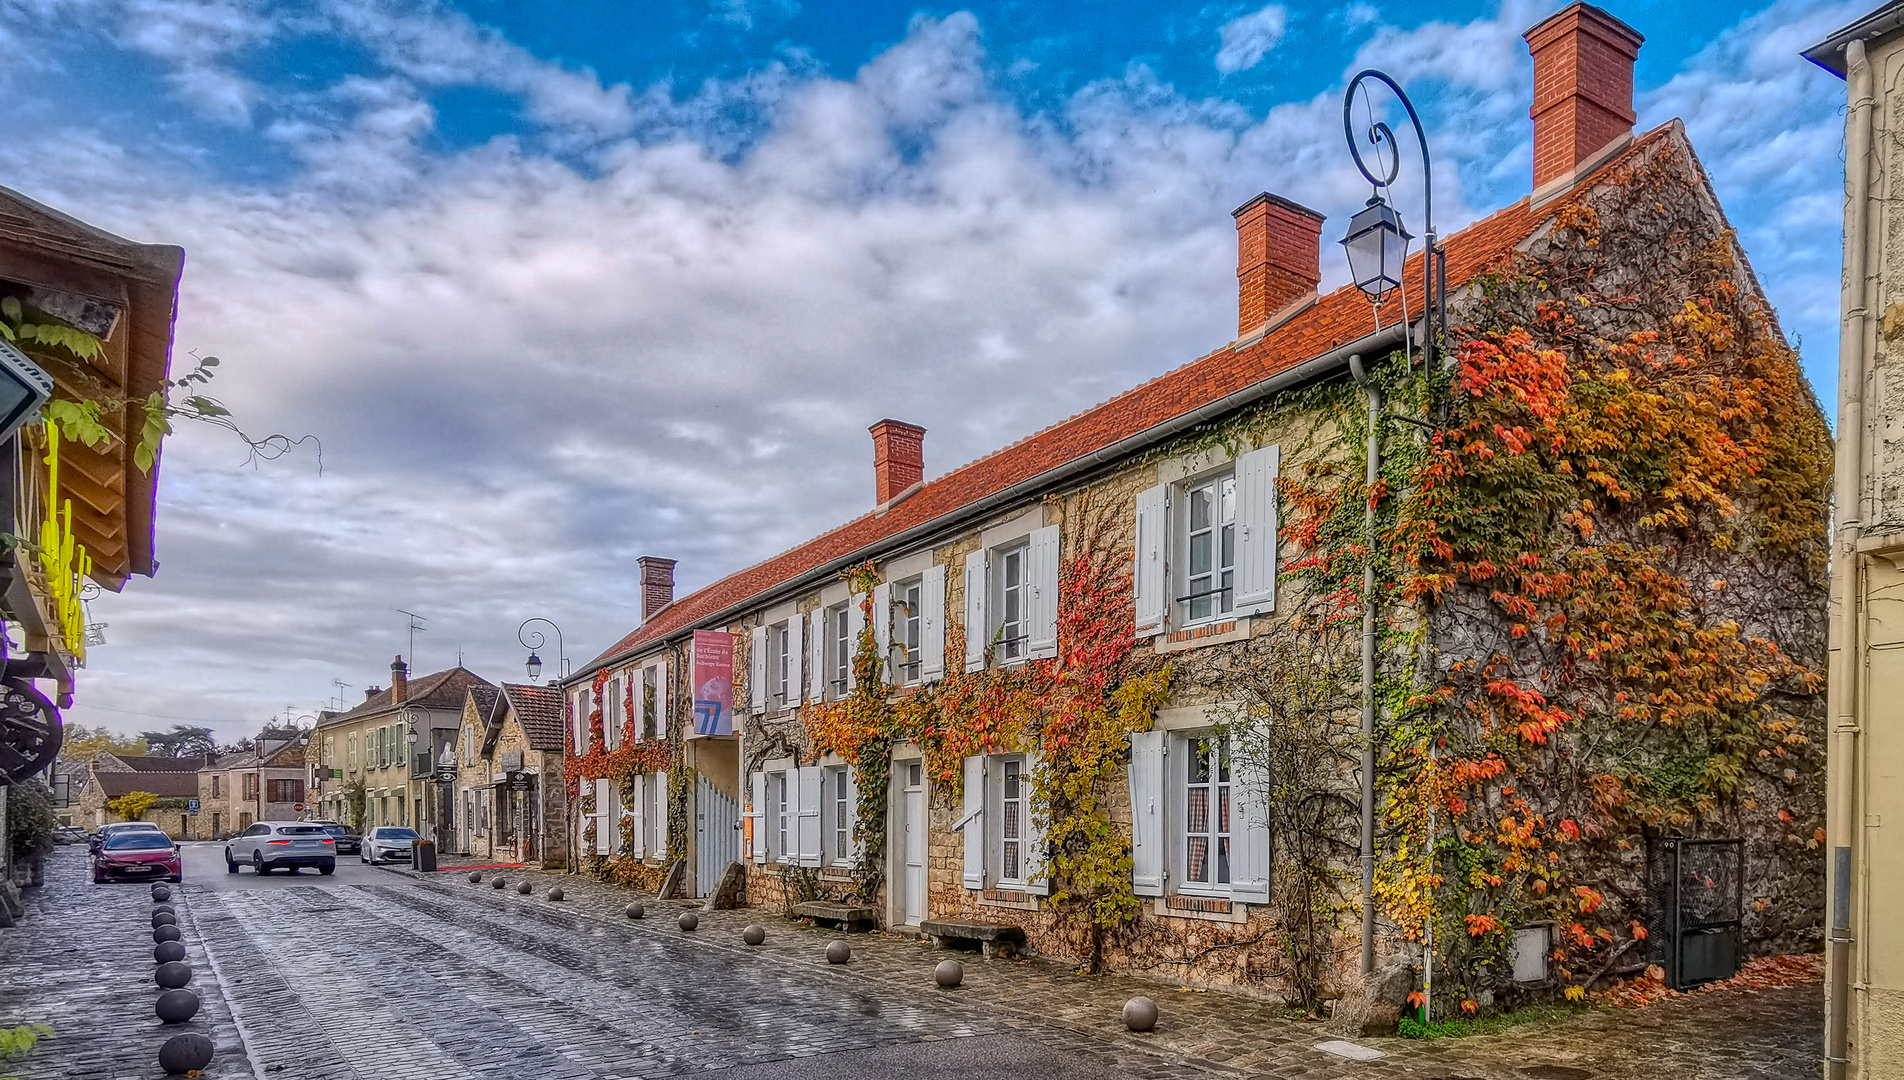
{"x": 1377, "y": 245}
{"x": 534, "y": 665}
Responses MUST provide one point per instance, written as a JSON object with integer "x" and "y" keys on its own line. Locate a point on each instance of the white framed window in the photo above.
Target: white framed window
{"x": 839, "y": 650}
{"x": 1004, "y": 840}
{"x": 1208, "y": 583}
{"x": 1013, "y": 802}
{"x": 1009, "y": 632}
{"x": 656, "y": 819}
{"x": 780, "y": 665}
{"x": 648, "y": 702}
{"x": 908, "y": 612}
{"x": 1204, "y": 843}
{"x": 781, "y": 817}
{"x": 613, "y": 703}
{"x": 838, "y": 799}
{"x": 353, "y": 753}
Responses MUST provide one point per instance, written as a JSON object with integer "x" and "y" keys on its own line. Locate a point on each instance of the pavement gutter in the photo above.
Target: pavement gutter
{"x": 224, "y": 992}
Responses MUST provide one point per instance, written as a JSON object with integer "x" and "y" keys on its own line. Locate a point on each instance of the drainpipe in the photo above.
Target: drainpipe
{"x": 1846, "y": 569}
{"x": 1368, "y": 664}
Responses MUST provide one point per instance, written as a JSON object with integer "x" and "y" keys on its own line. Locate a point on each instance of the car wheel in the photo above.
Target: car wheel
{"x": 231, "y": 867}
{"x": 257, "y": 864}
{"x": 98, "y": 880}
{"x": 176, "y": 878}
{"x": 327, "y": 868}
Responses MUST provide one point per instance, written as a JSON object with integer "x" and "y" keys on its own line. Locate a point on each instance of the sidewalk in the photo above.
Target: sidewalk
{"x": 1717, "y": 1035}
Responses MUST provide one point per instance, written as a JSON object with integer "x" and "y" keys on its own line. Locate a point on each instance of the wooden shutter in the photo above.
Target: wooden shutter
{"x": 882, "y": 628}
{"x": 858, "y": 847}
{"x": 606, "y": 816}
{"x": 757, "y": 670}
{"x": 855, "y": 626}
{"x": 637, "y": 815}
{"x": 796, "y": 653}
{"x": 973, "y": 822}
{"x": 1147, "y": 812}
{"x": 977, "y": 633}
{"x": 758, "y": 815}
{"x": 1256, "y": 530}
{"x": 1037, "y": 866}
{"x": 816, "y": 655}
{"x": 807, "y": 824}
{"x": 1149, "y": 587}
{"x": 932, "y": 624}
{"x": 1250, "y": 853}
{"x": 658, "y": 820}
{"x": 1041, "y": 573}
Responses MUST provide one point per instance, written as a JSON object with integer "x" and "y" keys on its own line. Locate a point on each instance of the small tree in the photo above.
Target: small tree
{"x": 30, "y": 820}
{"x": 132, "y": 805}
{"x": 355, "y": 798}
{"x": 1293, "y": 727}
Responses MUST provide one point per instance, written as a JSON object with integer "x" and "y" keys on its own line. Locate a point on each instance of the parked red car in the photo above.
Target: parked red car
{"x": 137, "y": 855}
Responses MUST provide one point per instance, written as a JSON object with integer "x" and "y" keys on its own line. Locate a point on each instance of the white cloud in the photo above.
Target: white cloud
{"x": 1248, "y": 39}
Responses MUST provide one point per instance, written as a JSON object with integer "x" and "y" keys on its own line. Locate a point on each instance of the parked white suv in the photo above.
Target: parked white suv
{"x": 387, "y": 842}
{"x": 273, "y": 845}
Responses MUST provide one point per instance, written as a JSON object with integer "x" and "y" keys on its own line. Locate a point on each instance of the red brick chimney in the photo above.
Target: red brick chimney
{"x": 1583, "y": 88}
{"x": 399, "y": 681}
{"x": 1278, "y": 260}
{"x": 657, "y": 584}
{"x": 899, "y": 458}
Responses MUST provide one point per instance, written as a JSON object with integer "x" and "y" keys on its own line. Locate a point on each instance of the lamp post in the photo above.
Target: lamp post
{"x": 1377, "y": 249}
{"x": 410, "y": 715}
{"x": 534, "y": 663}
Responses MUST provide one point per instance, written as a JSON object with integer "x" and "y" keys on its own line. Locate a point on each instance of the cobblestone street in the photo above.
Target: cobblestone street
{"x": 389, "y": 975}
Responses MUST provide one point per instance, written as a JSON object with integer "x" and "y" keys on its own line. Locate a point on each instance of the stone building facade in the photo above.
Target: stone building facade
{"x": 370, "y": 771}
{"x": 1202, "y": 491}
{"x": 268, "y": 783}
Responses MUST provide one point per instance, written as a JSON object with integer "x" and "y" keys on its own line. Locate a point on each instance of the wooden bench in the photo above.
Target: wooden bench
{"x": 994, "y": 939}
{"x": 848, "y": 917}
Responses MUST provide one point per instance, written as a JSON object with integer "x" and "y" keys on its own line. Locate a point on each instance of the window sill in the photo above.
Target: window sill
{"x": 1006, "y": 897}
{"x": 1219, "y": 909}
{"x": 1196, "y": 637}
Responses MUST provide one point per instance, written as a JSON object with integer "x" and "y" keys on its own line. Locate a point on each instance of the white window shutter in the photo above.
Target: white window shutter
{"x": 606, "y": 817}
{"x": 1037, "y": 865}
{"x": 667, "y": 703}
{"x": 932, "y": 625}
{"x": 974, "y": 823}
{"x": 882, "y": 628}
{"x": 637, "y": 813}
{"x": 658, "y": 821}
{"x": 807, "y": 829}
{"x": 1041, "y": 572}
{"x": 977, "y": 633}
{"x": 758, "y": 814}
{"x": 855, "y": 626}
{"x": 1250, "y": 852}
{"x": 1147, "y": 812}
{"x": 1149, "y": 587}
{"x": 796, "y": 654}
{"x": 757, "y": 670}
{"x": 816, "y": 655}
{"x": 1256, "y": 530}
{"x": 851, "y": 780}
{"x": 578, "y": 725}
{"x": 611, "y": 696}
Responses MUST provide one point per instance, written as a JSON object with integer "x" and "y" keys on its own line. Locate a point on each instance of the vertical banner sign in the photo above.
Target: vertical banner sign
{"x": 713, "y": 682}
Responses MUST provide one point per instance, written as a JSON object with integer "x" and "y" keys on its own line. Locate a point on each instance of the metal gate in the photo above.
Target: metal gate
{"x": 1698, "y": 889}
{"x": 716, "y": 834}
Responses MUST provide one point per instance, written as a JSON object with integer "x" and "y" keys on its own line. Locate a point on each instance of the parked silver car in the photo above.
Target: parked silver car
{"x": 287, "y": 845}
{"x": 386, "y": 843}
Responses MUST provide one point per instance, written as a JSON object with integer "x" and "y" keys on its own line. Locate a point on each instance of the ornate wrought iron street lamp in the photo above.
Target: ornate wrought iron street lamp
{"x": 1377, "y": 241}
{"x": 534, "y": 664}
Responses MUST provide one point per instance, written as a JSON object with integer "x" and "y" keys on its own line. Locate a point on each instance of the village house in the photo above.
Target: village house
{"x": 266, "y": 783}
{"x": 173, "y": 781}
{"x": 518, "y": 795}
{"x": 376, "y": 763}
{"x": 1036, "y": 702}
{"x": 474, "y": 776}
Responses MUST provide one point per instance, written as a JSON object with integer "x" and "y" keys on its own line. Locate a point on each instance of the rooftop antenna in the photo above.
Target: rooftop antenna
{"x": 416, "y": 624}
{"x": 337, "y": 699}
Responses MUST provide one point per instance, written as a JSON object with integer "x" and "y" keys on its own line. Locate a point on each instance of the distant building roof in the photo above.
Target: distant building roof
{"x": 485, "y": 698}
{"x": 539, "y": 710}
{"x": 180, "y": 785}
{"x": 158, "y": 763}
{"x": 439, "y": 690}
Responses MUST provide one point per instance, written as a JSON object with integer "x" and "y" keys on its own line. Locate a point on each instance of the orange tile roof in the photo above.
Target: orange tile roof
{"x": 1334, "y": 320}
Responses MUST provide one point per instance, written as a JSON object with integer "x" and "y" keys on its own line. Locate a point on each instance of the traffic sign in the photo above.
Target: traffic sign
{"x": 191, "y": 806}
{"x": 299, "y": 808}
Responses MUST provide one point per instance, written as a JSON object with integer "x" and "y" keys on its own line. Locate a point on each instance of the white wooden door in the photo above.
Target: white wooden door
{"x": 717, "y": 836}
{"x": 913, "y": 839}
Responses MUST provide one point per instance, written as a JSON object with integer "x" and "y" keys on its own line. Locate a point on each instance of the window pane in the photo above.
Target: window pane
{"x": 1223, "y": 861}
{"x": 1197, "y": 815}
{"x": 1199, "y": 761}
{"x": 1199, "y": 558}
{"x": 1200, "y": 508}
{"x": 1198, "y": 856}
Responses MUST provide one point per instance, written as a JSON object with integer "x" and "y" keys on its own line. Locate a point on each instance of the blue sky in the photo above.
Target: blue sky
{"x": 559, "y": 284}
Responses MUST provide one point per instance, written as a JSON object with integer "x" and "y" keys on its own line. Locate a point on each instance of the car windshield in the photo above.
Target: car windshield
{"x": 138, "y": 840}
{"x": 396, "y": 834}
{"x": 301, "y": 830}
{"x": 334, "y": 830}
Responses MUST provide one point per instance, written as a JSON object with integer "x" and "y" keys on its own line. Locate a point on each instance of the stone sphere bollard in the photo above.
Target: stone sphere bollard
{"x": 177, "y": 1006}
{"x": 754, "y": 935}
{"x": 556, "y": 893}
{"x": 1140, "y": 1014}
{"x": 163, "y": 918}
{"x": 185, "y": 1053}
{"x": 167, "y": 951}
{"x": 949, "y": 973}
{"x": 161, "y": 894}
{"x": 168, "y": 932}
{"x": 475, "y": 876}
{"x": 838, "y": 951}
{"x": 167, "y": 908}
{"x": 524, "y": 887}
{"x": 173, "y": 975}
{"x": 497, "y": 882}
{"x": 634, "y": 911}
{"x": 688, "y": 921}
